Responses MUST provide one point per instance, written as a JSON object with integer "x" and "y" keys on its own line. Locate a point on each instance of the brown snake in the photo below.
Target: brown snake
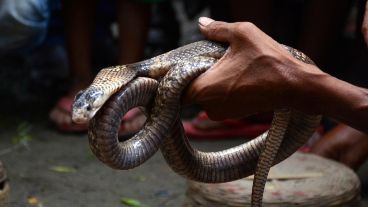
{"x": 134, "y": 85}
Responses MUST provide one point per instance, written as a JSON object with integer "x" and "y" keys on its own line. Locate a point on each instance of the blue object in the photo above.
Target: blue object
{"x": 24, "y": 24}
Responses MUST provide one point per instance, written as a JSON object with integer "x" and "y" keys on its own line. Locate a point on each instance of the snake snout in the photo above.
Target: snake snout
{"x": 86, "y": 104}
{"x": 80, "y": 113}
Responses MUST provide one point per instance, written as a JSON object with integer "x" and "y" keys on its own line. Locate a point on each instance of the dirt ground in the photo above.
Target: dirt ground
{"x": 58, "y": 170}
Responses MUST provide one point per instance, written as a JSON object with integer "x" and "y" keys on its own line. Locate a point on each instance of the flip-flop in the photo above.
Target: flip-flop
{"x": 318, "y": 134}
{"x": 64, "y": 104}
{"x": 131, "y": 116}
{"x": 230, "y": 128}
{"x": 132, "y": 113}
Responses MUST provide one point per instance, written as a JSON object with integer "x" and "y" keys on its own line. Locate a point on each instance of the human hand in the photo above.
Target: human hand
{"x": 256, "y": 74}
{"x": 343, "y": 144}
{"x": 365, "y": 24}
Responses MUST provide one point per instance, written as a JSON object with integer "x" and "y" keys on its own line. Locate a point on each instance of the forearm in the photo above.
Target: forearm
{"x": 324, "y": 94}
{"x": 350, "y": 105}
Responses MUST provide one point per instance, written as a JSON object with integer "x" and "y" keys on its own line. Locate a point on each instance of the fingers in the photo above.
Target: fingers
{"x": 215, "y": 30}
{"x": 187, "y": 97}
{"x": 193, "y": 92}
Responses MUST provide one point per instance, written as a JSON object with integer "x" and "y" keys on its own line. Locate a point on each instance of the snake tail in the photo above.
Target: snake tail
{"x": 265, "y": 161}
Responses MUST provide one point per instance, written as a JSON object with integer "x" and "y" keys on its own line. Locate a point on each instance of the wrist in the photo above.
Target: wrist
{"x": 302, "y": 87}
{"x": 320, "y": 93}
{"x": 312, "y": 89}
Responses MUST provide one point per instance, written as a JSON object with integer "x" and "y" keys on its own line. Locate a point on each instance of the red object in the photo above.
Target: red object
{"x": 231, "y": 128}
{"x": 65, "y": 104}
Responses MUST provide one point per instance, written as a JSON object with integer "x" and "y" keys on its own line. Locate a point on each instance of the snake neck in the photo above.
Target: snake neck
{"x": 107, "y": 82}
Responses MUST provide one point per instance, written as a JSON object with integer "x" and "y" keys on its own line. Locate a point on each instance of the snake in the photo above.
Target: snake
{"x": 156, "y": 85}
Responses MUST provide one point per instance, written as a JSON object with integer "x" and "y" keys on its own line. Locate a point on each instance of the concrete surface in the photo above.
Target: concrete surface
{"x": 90, "y": 184}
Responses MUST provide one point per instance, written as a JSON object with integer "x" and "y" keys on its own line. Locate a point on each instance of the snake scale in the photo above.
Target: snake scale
{"x": 157, "y": 84}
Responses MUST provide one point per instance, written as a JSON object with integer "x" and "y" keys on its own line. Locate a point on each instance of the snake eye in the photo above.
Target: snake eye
{"x": 89, "y": 108}
{"x": 78, "y": 94}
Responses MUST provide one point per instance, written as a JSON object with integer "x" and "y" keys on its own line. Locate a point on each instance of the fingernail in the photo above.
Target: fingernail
{"x": 204, "y": 21}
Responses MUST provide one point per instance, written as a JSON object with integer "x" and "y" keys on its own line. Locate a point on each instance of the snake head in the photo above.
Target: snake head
{"x": 86, "y": 104}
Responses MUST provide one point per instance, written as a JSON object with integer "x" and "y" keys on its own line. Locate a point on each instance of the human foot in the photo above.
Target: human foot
{"x": 202, "y": 127}
{"x": 132, "y": 122}
{"x": 60, "y": 115}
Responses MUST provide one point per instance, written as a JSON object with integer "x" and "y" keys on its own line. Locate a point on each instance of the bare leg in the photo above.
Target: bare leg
{"x": 133, "y": 21}
{"x": 79, "y": 28}
{"x": 344, "y": 144}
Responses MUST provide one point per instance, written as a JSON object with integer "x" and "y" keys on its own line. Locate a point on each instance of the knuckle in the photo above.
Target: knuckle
{"x": 243, "y": 28}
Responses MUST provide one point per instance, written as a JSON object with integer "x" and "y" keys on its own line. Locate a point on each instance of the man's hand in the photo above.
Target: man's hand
{"x": 256, "y": 74}
{"x": 344, "y": 144}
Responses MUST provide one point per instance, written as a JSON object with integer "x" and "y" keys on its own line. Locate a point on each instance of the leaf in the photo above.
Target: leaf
{"x": 34, "y": 201}
{"x": 141, "y": 178}
{"x": 131, "y": 202}
{"x": 23, "y": 135}
{"x": 63, "y": 169}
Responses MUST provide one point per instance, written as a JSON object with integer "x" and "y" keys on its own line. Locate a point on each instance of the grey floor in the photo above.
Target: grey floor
{"x": 89, "y": 183}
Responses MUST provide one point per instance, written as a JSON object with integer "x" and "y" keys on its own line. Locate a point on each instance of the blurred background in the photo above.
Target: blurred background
{"x": 51, "y": 49}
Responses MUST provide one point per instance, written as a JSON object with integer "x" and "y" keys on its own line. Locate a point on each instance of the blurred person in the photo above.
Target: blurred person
{"x": 80, "y": 17}
{"x": 31, "y": 49}
{"x": 23, "y": 24}
{"x": 343, "y": 144}
{"x": 311, "y": 26}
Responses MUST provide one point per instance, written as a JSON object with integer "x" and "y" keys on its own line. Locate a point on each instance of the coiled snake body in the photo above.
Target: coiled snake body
{"x": 157, "y": 84}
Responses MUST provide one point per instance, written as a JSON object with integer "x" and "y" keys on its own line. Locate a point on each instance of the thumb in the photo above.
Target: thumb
{"x": 215, "y": 30}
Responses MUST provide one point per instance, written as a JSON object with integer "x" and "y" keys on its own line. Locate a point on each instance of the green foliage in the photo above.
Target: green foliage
{"x": 23, "y": 134}
{"x": 63, "y": 169}
{"x": 131, "y": 202}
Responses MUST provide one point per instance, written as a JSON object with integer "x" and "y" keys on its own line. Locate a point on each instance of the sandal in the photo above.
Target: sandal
{"x": 132, "y": 122}
{"x": 202, "y": 127}
{"x": 64, "y": 107}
